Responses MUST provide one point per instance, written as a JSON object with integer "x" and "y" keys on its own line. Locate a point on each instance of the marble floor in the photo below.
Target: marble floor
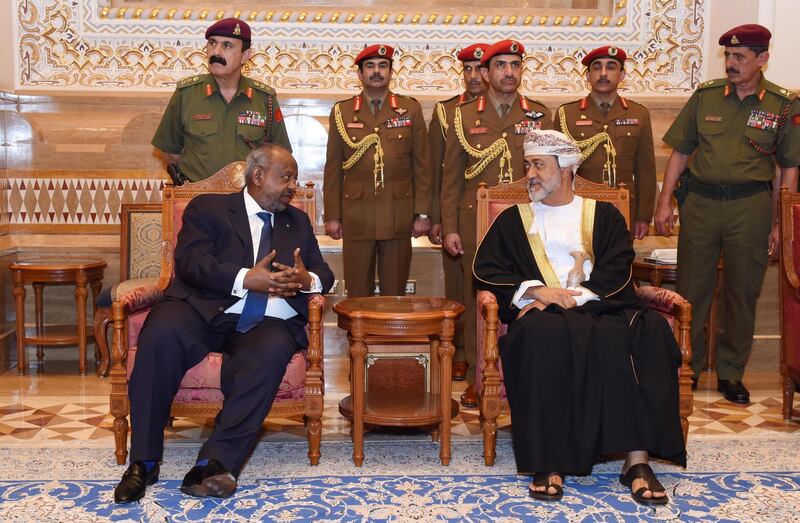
{"x": 58, "y": 408}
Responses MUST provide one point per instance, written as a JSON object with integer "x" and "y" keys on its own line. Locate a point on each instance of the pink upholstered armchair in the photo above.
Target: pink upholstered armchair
{"x": 301, "y": 390}
{"x": 489, "y": 372}
{"x": 789, "y": 289}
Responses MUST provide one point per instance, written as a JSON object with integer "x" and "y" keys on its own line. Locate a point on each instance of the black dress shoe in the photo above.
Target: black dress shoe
{"x": 218, "y": 481}
{"x": 193, "y": 482}
{"x": 213, "y": 480}
{"x": 734, "y": 391}
{"x": 134, "y": 482}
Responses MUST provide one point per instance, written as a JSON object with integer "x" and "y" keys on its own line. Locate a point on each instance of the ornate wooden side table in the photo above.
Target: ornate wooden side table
{"x": 400, "y": 317}
{"x": 55, "y": 271}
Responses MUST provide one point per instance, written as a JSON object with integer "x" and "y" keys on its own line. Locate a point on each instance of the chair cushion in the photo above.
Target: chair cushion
{"x": 201, "y": 383}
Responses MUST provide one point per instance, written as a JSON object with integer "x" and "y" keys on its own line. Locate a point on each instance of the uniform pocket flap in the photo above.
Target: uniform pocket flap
{"x": 403, "y": 189}
{"x": 353, "y": 191}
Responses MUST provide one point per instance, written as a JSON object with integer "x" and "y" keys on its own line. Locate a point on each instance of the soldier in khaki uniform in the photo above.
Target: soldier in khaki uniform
{"x": 377, "y": 188}
{"x": 614, "y": 135}
{"x": 215, "y": 119}
{"x": 730, "y": 134}
{"x": 441, "y": 120}
{"x": 484, "y": 144}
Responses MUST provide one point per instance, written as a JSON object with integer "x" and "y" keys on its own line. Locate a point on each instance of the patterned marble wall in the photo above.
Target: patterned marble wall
{"x": 124, "y": 45}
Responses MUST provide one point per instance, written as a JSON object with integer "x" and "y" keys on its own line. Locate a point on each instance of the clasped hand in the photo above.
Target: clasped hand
{"x": 281, "y": 280}
{"x": 545, "y": 296}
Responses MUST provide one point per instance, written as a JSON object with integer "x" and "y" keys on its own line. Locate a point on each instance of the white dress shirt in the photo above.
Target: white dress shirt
{"x": 560, "y": 231}
{"x": 276, "y": 307}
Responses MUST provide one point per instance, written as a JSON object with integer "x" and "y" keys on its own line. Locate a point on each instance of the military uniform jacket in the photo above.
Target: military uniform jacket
{"x": 441, "y": 120}
{"x": 737, "y": 141}
{"x": 630, "y": 130}
{"x": 481, "y": 127}
{"x": 371, "y": 206}
{"x": 210, "y": 133}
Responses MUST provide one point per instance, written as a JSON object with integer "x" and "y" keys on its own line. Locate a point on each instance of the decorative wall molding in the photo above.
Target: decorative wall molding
{"x": 93, "y": 44}
{"x": 75, "y": 201}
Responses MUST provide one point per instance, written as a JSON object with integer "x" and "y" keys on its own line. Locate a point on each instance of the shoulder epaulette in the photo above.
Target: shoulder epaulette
{"x": 452, "y": 98}
{"x": 406, "y": 97}
{"x": 190, "y": 80}
{"x": 263, "y": 87}
{"x": 634, "y": 102}
{"x": 784, "y": 93}
{"x": 573, "y": 102}
{"x": 719, "y": 82}
{"x": 467, "y": 102}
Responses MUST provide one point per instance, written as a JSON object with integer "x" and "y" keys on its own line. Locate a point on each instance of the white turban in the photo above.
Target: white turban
{"x": 553, "y": 143}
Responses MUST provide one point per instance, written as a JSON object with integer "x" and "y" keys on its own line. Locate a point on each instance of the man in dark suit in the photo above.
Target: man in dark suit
{"x": 226, "y": 298}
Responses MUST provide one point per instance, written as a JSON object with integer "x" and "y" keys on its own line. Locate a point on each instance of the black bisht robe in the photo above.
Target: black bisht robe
{"x": 589, "y": 381}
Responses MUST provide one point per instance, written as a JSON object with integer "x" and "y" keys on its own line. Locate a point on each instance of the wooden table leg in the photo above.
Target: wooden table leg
{"x": 80, "y": 300}
{"x": 38, "y": 292}
{"x": 19, "y": 301}
{"x": 446, "y": 350}
{"x": 358, "y": 353}
{"x": 96, "y": 286}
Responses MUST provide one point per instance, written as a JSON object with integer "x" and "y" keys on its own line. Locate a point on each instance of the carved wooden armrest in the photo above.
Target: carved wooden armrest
{"x": 316, "y": 304}
{"x": 137, "y": 294}
{"x": 788, "y": 266}
{"x": 487, "y": 305}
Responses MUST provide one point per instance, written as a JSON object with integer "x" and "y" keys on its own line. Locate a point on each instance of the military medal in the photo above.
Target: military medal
{"x": 526, "y": 125}
{"x": 626, "y": 121}
{"x": 252, "y": 118}
{"x": 399, "y": 121}
{"x": 763, "y": 120}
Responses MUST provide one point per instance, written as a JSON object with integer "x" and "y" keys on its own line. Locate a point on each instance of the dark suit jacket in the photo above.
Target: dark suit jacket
{"x": 214, "y": 243}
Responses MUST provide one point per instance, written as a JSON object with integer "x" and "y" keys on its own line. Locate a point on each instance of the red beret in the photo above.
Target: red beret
{"x": 503, "y": 47}
{"x": 375, "y": 51}
{"x": 607, "y": 51}
{"x": 472, "y": 53}
{"x": 231, "y": 28}
{"x": 748, "y": 35}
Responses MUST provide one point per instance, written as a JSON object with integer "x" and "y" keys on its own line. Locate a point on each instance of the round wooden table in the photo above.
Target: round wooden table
{"x": 55, "y": 271}
{"x": 400, "y": 317}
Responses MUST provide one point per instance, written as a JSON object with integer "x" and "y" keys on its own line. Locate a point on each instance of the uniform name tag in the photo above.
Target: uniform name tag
{"x": 252, "y": 118}
{"x": 583, "y": 123}
{"x": 626, "y": 121}
{"x": 202, "y": 116}
{"x": 393, "y": 123}
{"x": 355, "y": 125}
{"x": 712, "y": 118}
{"x": 478, "y": 130}
{"x": 763, "y": 120}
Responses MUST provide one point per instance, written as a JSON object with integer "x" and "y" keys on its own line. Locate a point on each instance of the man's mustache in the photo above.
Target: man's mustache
{"x": 376, "y": 77}
{"x": 603, "y": 81}
{"x": 731, "y": 70}
{"x": 216, "y": 59}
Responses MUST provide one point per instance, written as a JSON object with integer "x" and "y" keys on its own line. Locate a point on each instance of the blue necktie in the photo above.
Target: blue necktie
{"x": 256, "y": 302}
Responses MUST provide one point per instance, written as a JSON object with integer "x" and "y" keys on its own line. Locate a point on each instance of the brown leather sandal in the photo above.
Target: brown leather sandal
{"x": 542, "y": 479}
{"x": 643, "y": 471}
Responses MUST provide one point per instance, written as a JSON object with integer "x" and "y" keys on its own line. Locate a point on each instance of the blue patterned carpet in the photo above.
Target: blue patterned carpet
{"x": 401, "y": 481}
